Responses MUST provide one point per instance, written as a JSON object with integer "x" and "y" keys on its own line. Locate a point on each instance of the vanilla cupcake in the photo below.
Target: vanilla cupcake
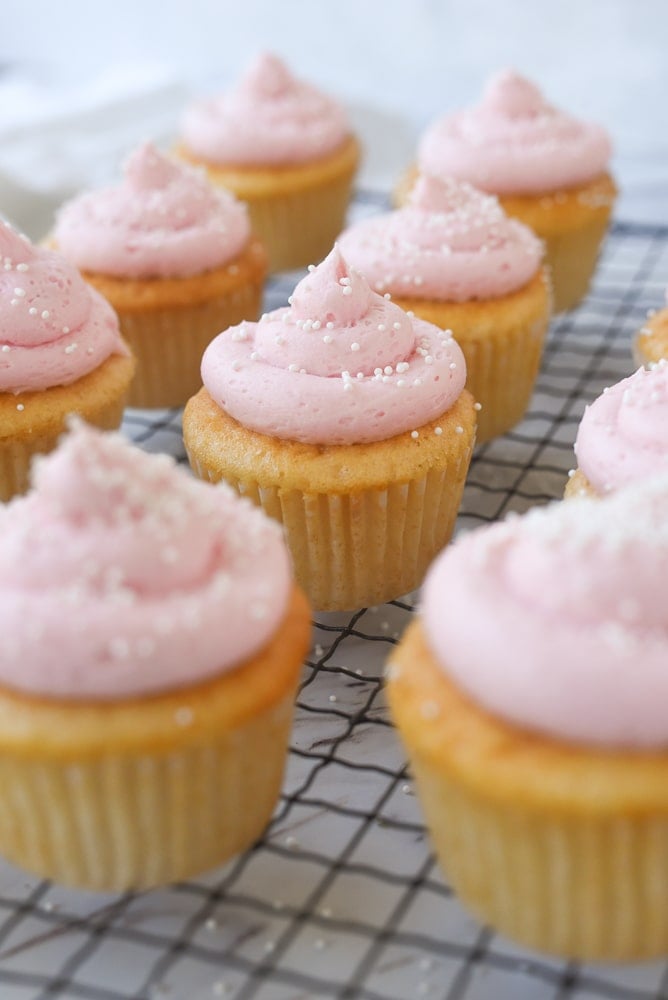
{"x": 651, "y": 342}
{"x": 452, "y": 257}
{"x": 174, "y": 257}
{"x": 549, "y": 170}
{"x": 152, "y": 646}
{"x": 622, "y": 435}
{"x": 61, "y": 352}
{"x": 347, "y": 421}
{"x": 531, "y": 698}
{"x": 286, "y": 150}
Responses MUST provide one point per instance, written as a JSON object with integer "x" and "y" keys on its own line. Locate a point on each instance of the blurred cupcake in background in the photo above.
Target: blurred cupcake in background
{"x": 623, "y": 436}
{"x": 452, "y": 257}
{"x": 285, "y": 149}
{"x": 61, "y": 352}
{"x": 651, "y": 342}
{"x": 177, "y": 260}
{"x": 347, "y": 420}
{"x": 549, "y": 170}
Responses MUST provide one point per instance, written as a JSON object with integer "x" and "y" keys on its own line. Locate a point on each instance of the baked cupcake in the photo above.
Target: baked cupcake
{"x": 453, "y": 258}
{"x": 531, "y": 698}
{"x": 177, "y": 261}
{"x": 347, "y": 421}
{"x": 286, "y": 150}
{"x": 151, "y": 651}
{"x": 622, "y": 436}
{"x": 651, "y": 341}
{"x": 61, "y": 352}
{"x": 549, "y": 170}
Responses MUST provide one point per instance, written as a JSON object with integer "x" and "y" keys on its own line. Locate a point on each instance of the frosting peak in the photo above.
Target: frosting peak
{"x": 588, "y": 574}
{"x": 513, "y": 96}
{"x": 54, "y": 328}
{"x": 328, "y": 369}
{"x": 450, "y": 242}
{"x": 122, "y": 575}
{"x": 622, "y": 435}
{"x": 164, "y": 219}
{"x": 514, "y": 142}
{"x": 267, "y": 76}
{"x": 269, "y": 118}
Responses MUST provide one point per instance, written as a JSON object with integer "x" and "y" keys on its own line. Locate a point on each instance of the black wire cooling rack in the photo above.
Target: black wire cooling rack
{"x": 342, "y": 897}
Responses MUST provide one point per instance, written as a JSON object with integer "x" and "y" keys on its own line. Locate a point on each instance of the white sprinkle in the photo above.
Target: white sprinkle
{"x": 184, "y": 716}
{"x": 382, "y": 328}
{"x": 13, "y": 302}
{"x": 330, "y": 325}
{"x": 387, "y": 296}
{"x": 45, "y": 313}
{"x": 355, "y": 346}
{"x": 388, "y": 369}
{"x": 66, "y": 329}
{"x": 332, "y": 698}
{"x": 396, "y": 326}
{"x": 438, "y": 431}
{"x": 459, "y": 429}
{"x": 20, "y": 292}
{"x": 402, "y": 367}
{"x": 410, "y": 314}
{"x": 71, "y": 348}
{"x": 236, "y": 365}
{"x": 5, "y": 348}
{"x": 32, "y": 311}
{"x": 452, "y": 365}
{"x": 347, "y": 386}
{"x": 254, "y": 355}
{"x": 401, "y": 383}
{"x": 415, "y": 434}
{"x": 311, "y": 268}
{"x": 20, "y": 407}
{"x": 22, "y": 267}
{"x": 477, "y": 406}
{"x": 347, "y": 290}
{"x": 279, "y": 339}
{"x": 316, "y": 324}
{"x": 327, "y": 339}
{"x": 417, "y": 382}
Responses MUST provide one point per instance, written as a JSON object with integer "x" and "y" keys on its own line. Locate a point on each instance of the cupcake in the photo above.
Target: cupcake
{"x": 453, "y": 258}
{"x": 651, "y": 341}
{"x": 549, "y": 170}
{"x": 531, "y": 698}
{"x": 61, "y": 352}
{"x": 177, "y": 261}
{"x": 283, "y": 148}
{"x": 152, "y": 646}
{"x": 347, "y": 421}
{"x": 622, "y": 435}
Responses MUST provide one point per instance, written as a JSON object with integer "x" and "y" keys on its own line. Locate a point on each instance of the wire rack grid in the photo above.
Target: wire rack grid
{"x": 342, "y": 897}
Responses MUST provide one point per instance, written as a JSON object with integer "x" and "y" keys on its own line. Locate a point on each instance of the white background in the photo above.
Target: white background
{"x": 82, "y": 82}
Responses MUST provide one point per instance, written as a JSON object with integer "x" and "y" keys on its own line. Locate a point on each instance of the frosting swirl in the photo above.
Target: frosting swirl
{"x": 120, "y": 575}
{"x": 557, "y": 620}
{"x": 269, "y": 118}
{"x": 622, "y": 435}
{"x": 163, "y": 220}
{"x": 449, "y": 243}
{"x": 54, "y": 328}
{"x": 342, "y": 365}
{"x": 514, "y": 142}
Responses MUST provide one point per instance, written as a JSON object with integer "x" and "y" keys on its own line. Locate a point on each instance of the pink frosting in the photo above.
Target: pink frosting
{"x": 269, "y": 118}
{"x": 343, "y": 365}
{"x": 163, "y": 220}
{"x": 54, "y": 328}
{"x": 121, "y": 575}
{"x": 449, "y": 243}
{"x": 622, "y": 435}
{"x": 514, "y": 142}
{"x": 557, "y": 621}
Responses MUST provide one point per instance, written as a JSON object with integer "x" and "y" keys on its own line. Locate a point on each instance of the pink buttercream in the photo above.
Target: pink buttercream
{"x": 514, "y": 142}
{"x": 343, "y": 365}
{"x": 269, "y": 118}
{"x": 449, "y": 243}
{"x": 163, "y": 220}
{"x": 54, "y": 328}
{"x": 121, "y": 575}
{"x": 622, "y": 435}
{"x": 557, "y": 621}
